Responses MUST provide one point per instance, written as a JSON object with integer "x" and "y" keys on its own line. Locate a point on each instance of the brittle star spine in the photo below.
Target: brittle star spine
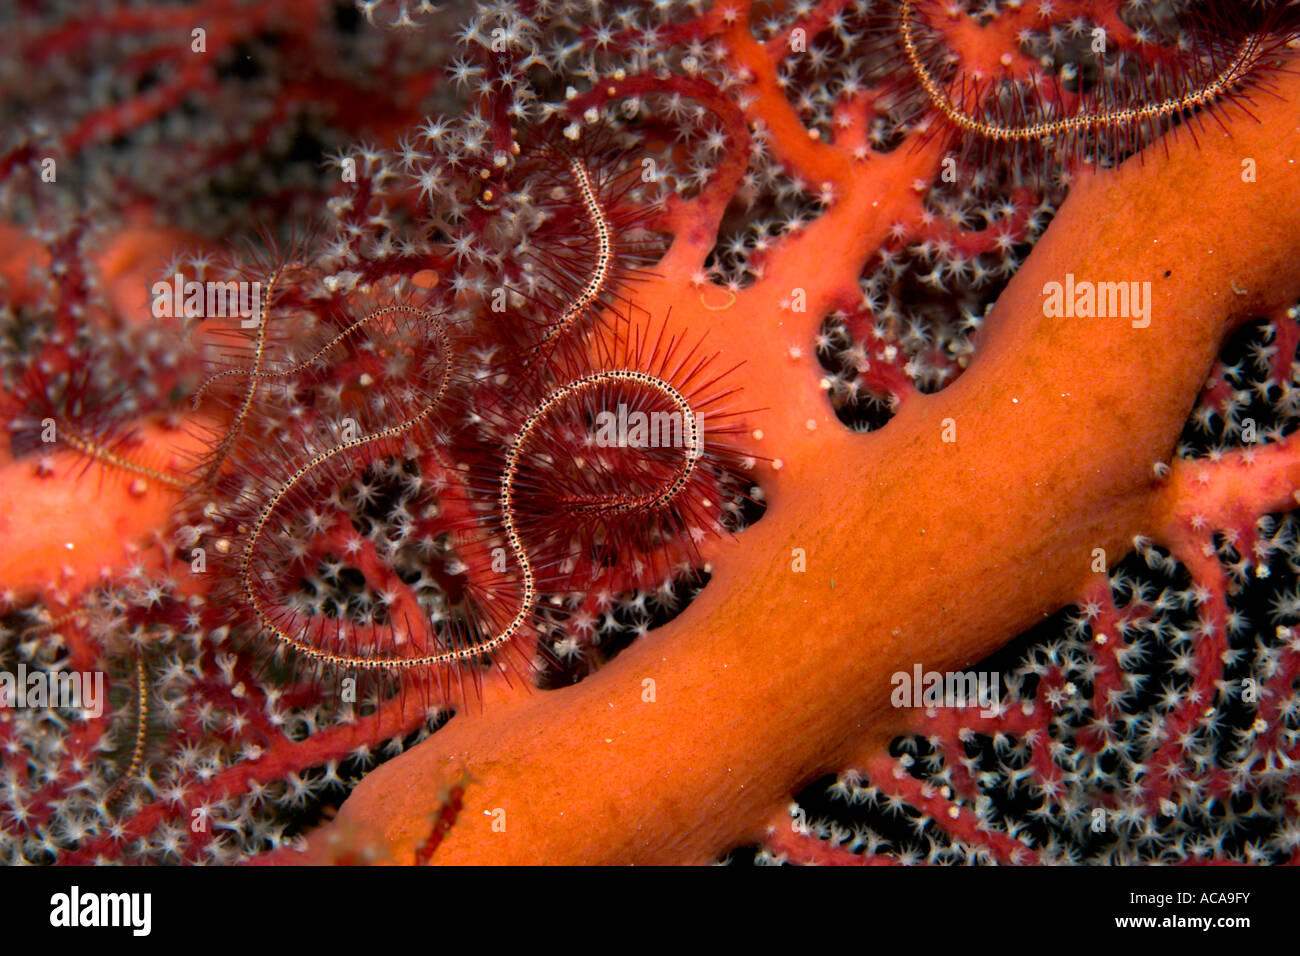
{"x": 271, "y": 374}
{"x": 1248, "y": 55}
{"x": 259, "y": 526}
{"x": 223, "y": 450}
{"x": 650, "y": 501}
{"x": 506, "y": 499}
{"x": 141, "y": 726}
{"x": 604, "y": 252}
{"x": 92, "y": 449}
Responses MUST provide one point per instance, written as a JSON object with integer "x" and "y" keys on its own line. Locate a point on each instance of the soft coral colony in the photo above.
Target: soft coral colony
{"x": 375, "y": 527}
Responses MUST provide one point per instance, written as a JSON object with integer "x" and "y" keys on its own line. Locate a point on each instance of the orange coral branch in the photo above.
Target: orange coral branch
{"x": 77, "y": 543}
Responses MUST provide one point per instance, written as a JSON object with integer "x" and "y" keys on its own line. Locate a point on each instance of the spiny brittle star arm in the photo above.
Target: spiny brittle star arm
{"x": 1227, "y": 80}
